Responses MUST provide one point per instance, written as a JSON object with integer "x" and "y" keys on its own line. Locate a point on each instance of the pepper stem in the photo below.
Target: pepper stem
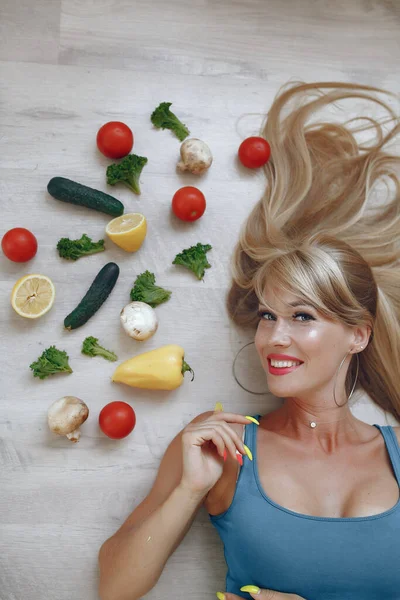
{"x": 186, "y": 367}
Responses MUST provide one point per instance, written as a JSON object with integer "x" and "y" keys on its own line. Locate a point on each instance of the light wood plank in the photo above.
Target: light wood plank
{"x": 220, "y": 63}
{"x": 30, "y": 31}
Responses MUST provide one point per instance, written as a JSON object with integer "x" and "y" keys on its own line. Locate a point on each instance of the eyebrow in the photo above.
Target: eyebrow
{"x": 296, "y": 303}
{"x": 300, "y": 303}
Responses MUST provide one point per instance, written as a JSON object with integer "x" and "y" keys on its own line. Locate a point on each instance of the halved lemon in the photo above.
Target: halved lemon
{"x": 33, "y": 296}
{"x": 128, "y": 231}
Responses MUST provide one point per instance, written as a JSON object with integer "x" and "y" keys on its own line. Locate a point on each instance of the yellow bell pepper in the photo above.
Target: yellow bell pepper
{"x": 160, "y": 369}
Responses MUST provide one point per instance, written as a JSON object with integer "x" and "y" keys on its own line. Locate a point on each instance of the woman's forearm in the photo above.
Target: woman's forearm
{"x": 132, "y": 561}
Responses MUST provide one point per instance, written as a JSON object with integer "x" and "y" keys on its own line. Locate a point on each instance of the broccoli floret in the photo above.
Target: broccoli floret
{"x": 74, "y": 249}
{"x": 52, "y": 361}
{"x": 145, "y": 290}
{"x": 164, "y": 118}
{"x": 127, "y": 171}
{"x": 194, "y": 258}
{"x": 90, "y": 347}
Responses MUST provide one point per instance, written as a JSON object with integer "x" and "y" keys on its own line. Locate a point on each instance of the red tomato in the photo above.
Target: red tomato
{"x": 115, "y": 139}
{"x": 19, "y": 244}
{"x": 117, "y": 420}
{"x": 188, "y": 203}
{"x": 254, "y": 152}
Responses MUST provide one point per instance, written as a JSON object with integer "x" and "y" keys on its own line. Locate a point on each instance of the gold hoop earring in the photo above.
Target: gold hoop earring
{"x": 355, "y": 381}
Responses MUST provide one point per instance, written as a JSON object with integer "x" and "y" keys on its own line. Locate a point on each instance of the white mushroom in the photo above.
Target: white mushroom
{"x": 196, "y": 157}
{"x": 66, "y": 415}
{"x": 139, "y": 320}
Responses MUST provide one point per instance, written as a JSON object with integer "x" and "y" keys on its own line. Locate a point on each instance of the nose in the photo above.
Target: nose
{"x": 279, "y": 334}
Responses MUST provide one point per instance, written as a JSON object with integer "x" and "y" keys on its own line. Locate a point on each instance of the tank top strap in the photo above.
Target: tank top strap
{"x": 246, "y": 474}
{"x": 250, "y": 435}
{"x": 393, "y": 448}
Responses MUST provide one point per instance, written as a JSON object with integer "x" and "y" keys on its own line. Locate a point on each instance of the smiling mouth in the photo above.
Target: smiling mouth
{"x": 282, "y": 370}
{"x": 297, "y": 363}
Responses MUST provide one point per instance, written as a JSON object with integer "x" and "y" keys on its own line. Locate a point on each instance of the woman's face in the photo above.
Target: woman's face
{"x": 314, "y": 341}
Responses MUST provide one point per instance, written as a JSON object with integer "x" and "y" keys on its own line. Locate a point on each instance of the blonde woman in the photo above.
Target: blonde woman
{"x": 305, "y": 498}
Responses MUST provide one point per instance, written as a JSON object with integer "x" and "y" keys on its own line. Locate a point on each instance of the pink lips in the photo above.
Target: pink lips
{"x": 282, "y": 370}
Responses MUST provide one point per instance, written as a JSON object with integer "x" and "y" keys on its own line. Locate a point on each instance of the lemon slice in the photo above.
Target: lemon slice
{"x": 128, "y": 231}
{"x": 32, "y": 296}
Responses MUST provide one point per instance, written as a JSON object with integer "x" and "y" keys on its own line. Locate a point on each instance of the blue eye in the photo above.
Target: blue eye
{"x": 262, "y": 313}
{"x": 309, "y": 317}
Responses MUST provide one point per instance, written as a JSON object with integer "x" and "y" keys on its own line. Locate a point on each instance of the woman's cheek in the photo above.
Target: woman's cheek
{"x": 312, "y": 334}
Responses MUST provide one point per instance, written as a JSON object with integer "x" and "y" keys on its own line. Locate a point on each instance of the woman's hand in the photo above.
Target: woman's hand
{"x": 261, "y": 594}
{"x": 204, "y": 444}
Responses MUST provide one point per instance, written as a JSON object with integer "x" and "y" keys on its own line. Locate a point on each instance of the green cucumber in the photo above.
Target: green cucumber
{"x": 76, "y": 193}
{"x": 98, "y": 292}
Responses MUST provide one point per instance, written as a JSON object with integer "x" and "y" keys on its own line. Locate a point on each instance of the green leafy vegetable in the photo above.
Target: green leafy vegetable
{"x": 194, "y": 258}
{"x": 52, "y": 361}
{"x": 145, "y": 290}
{"x": 127, "y": 171}
{"x": 74, "y": 249}
{"x": 164, "y": 118}
{"x": 91, "y": 347}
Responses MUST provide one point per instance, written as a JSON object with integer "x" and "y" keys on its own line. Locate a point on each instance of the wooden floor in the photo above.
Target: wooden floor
{"x": 67, "y": 67}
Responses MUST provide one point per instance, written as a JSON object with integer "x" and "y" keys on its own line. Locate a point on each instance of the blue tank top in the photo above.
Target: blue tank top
{"x": 319, "y": 558}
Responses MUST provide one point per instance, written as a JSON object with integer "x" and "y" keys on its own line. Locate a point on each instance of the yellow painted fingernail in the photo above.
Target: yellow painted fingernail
{"x": 220, "y": 596}
{"x": 253, "y": 420}
{"x": 252, "y": 589}
{"x": 219, "y": 407}
{"x": 248, "y": 452}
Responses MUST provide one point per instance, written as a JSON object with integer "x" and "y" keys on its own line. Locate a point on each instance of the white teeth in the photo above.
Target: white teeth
{"x": 284, "y": 363}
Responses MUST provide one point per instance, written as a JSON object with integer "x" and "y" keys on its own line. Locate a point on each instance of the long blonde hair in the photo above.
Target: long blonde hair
{"x": 313, "y": 235}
